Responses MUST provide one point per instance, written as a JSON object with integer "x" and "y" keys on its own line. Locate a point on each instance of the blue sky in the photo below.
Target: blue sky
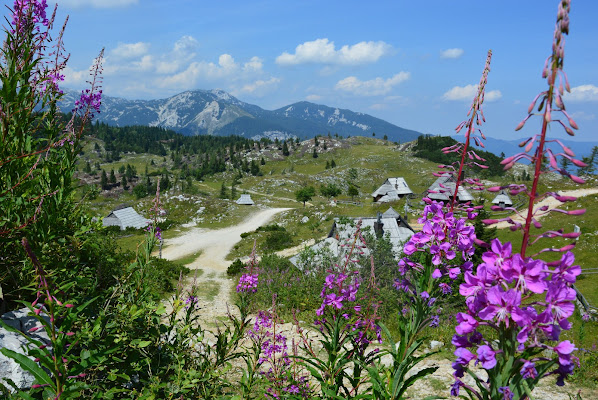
{"x": 412, "y": 63}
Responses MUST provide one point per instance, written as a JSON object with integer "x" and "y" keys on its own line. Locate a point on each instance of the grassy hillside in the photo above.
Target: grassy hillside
{"x": 363, "y": 162}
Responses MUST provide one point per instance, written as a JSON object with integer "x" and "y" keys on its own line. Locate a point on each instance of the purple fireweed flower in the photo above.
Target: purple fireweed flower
{"x": 506, "y": 392}
{"x": 559, "y": 305}
{"x": 460, "y": 341}
{"x": 564, "y": 350}
{"x": 455, "y": 388}
{"x": 504, "y": 306}
{"x": 248, "y": 283}
{"x": 566, "y": 271}
{"x": 464, "y": 356}
{"x": 528, "y": 370}
{"x": 445, "y": 288}
{"x": 487, "y": 357}
{"x": 527, "y": 274}
{"x": 467, "y": 324}
{"x": 333, "y": 300}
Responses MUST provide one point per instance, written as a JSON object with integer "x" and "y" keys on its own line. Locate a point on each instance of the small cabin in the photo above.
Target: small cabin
{"x": 443, "y": 189}
{"x": 125, "y": 218}
{"x": 502, "y": 200}
{"x": 391, "y": 190}
{"x": 245, "y": 199}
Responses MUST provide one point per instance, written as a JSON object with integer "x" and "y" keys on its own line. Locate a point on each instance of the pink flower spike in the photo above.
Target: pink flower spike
{"x": 68, "y": 305}
{"x": 578, "y": 163}
{"x": 580, "y": 211}
{"x": 567, "y": 247}
{"x": 489, "y": 221}
{"x": 35, "y": 329}
{"x": 577, "y": 179}
{"x": 70, "y": 333}
{"x": 573, "y": 124}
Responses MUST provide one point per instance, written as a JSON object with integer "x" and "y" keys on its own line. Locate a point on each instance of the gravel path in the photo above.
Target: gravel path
{"x": 213, "y": 284}
{"x": 550, "y": 201}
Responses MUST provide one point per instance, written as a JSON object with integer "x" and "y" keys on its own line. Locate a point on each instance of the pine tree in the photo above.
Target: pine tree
{"x": 316, "y": 142}
{"x": 263, "y": 162}
{"x": 88, "y": 167}
{"x": 315, "y": 153}
{"x": 112, "y": 177}
{"x": 223, "y": 191}
{"x": 285, "y": 149}
{"x": 233, "y": 191}
{"x": 332, "y": 163}
{"x": 327, "y": 165}
{"x": 254, "y": 168}
{"x": 104, "y": 180}
{"x": 123, "y": 182}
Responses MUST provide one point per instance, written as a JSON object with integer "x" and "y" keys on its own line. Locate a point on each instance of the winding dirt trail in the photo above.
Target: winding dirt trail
{"x": 213, "y": 284}
{"x": 551, "y": 202}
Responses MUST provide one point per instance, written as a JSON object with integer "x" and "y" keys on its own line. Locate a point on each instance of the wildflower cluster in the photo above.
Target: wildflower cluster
{"x": 248, "y": 283}
{"x": 279, "y": 371}
{"x": 503, "y": 295}
{"x": 449, "y": 241}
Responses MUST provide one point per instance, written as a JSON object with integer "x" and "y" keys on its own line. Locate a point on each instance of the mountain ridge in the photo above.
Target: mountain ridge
{"x": 216, "y": 112}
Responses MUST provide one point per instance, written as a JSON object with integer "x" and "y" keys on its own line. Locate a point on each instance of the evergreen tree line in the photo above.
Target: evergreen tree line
{"x": 430, "y": 148}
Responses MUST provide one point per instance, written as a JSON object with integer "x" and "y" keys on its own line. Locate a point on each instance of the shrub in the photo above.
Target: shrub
{"x": 235, "y": 268}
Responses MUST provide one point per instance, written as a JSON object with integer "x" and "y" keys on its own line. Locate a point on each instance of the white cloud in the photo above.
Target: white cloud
{"x": 255, "y": 64}
{"x": 130, "y": 50}
{"x": 97, "y": 3}
{"x": 75, "y": 78}
{"x": 313, "y": 97}
{"x": 323, "y": 51}
{"x": 182, "y": 53}
{"x": 492, "y": 95}
{"x": 468, "y": 92}
{"x": 583, "y": 93}
{"x": 374, "y": 87}
{"x": 451, "y": 53}
{"x": 260, "y": 86}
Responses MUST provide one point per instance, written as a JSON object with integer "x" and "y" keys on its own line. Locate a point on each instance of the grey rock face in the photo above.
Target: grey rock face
{"x": 10, "y": 369}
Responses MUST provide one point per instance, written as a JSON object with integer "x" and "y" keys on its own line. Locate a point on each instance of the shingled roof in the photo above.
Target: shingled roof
{"x": 502, "y": 199}
{"x": 245, "y": 199}
{"x": 125, "y": 218}
{"x": 392, "y": 189}
{"x": 443, "y": 188}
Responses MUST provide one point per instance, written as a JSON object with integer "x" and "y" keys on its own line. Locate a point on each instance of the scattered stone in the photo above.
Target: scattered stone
{"x": 305, "y": 220}
{"x": 436, "y": 345}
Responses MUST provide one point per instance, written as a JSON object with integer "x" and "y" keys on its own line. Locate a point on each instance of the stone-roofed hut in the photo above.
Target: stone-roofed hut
{"x": 392, "y": 189}
{"x": 245, "y": 199}
{"x": 125, "y": 218}
{"x": 502, "y": 200}
{"x": 443, "y": 189}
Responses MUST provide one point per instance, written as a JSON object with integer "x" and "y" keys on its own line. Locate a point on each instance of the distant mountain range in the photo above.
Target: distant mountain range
{"x": 215, "y": 112}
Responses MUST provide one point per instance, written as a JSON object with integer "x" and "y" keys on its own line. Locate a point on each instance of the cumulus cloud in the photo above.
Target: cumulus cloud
{"x": 260, "y": 86}
{"x": 374, "y": 87}
{"x": 255, "y": 64}
{"x": 182, "y": 53}
{"x": 583, "y": 93}
{"x": 130, "y": 50}
{"x": 323, "y": 51}
{"x": 96, "y": 3}
{"x": 75, "y": 78}
{"x": 451, "y": 53}
{"x": 468, "y": 92}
